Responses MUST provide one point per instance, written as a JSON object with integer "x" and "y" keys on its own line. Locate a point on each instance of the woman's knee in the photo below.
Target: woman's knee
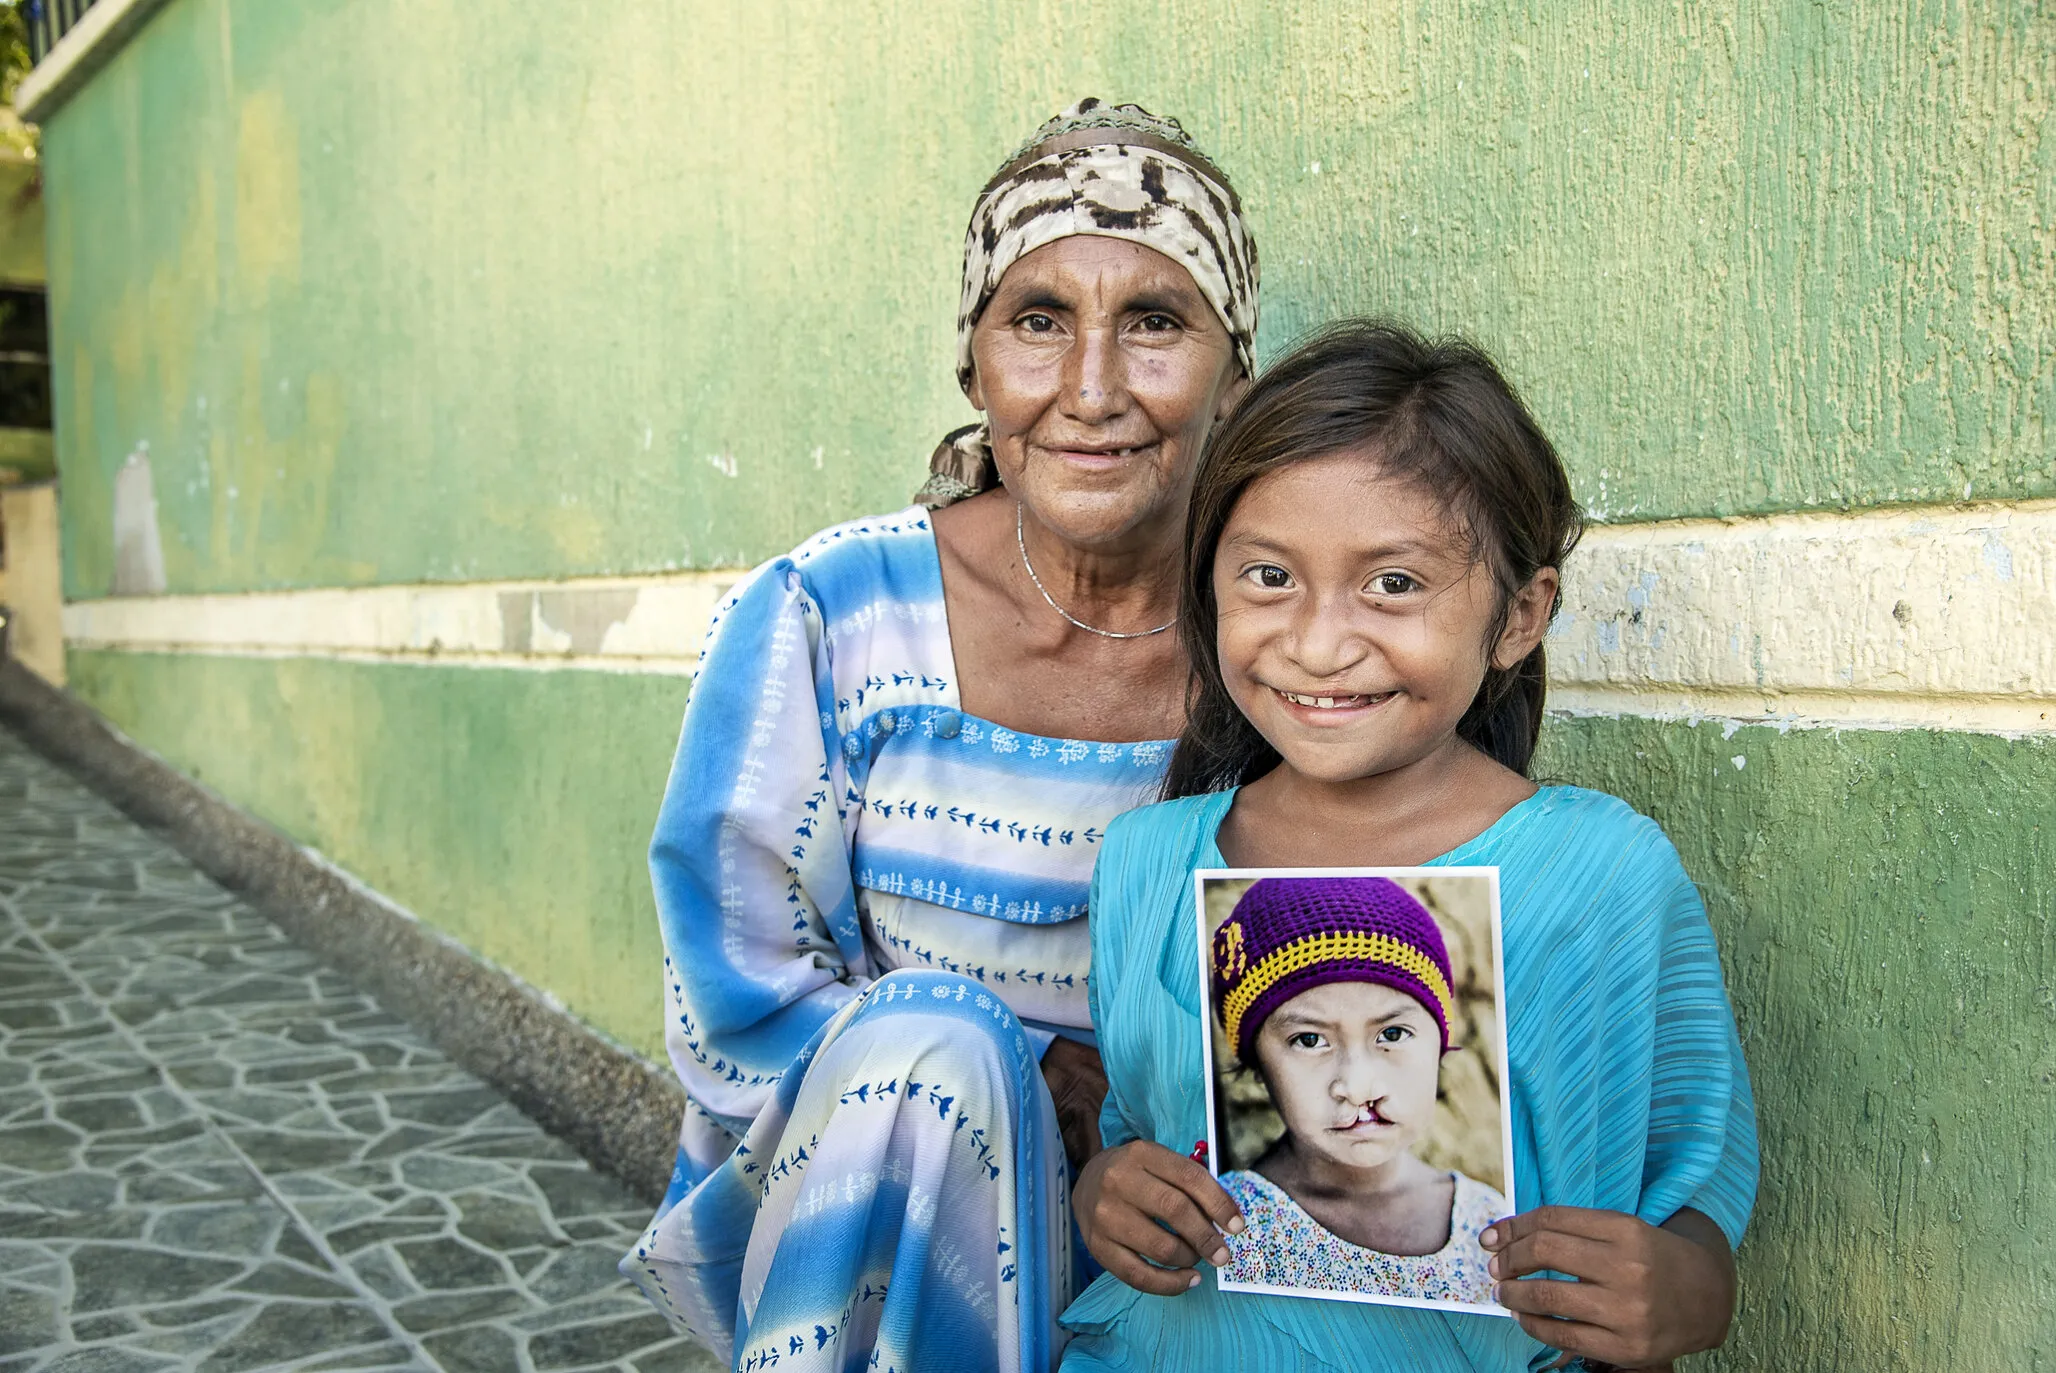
{"x": 912, "y": 1009}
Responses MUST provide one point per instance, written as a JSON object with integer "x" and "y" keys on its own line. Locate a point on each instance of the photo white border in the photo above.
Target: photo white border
{"x": 1206, "y": 1050}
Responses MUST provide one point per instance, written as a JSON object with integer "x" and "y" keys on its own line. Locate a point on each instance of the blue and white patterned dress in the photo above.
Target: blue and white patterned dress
{"x": 872, "y": 907}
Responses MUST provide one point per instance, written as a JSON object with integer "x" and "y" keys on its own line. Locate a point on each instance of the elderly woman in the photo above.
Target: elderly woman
{"x": 904, "y": 743}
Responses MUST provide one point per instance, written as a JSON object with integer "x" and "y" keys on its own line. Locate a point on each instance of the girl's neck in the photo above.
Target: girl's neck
{"x": 1396, "y": 818}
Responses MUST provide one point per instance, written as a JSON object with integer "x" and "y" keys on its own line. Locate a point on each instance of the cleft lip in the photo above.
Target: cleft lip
{"x": 1367, "y": 1115}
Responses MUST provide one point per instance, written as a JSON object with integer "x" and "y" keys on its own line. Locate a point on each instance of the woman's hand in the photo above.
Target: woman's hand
{"x": 1127, "y": 1196}
{"x": 1644, "y": 1296}
{"x": 1079, "y": 1084}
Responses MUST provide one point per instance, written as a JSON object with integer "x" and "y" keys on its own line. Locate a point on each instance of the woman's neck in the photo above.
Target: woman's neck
{"x": 1113, "y": 582}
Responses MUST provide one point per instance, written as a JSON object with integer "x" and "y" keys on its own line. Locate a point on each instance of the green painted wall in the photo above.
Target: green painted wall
{"x": 21, "y": 219}
{"x": 511, "y": 810}
{"x": 1882, "y": 901}
{"x": 399, "y": 291}
{"x": 1888, "y": 925}
{"x": 402, "y": 291}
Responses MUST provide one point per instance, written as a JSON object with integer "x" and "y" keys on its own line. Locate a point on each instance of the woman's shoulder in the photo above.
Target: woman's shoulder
{"x": 856, "y": 563}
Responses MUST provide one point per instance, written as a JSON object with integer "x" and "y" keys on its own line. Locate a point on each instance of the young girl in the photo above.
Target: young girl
{"x": 1338, "y": 991}
{"x": 1372, "y": 563}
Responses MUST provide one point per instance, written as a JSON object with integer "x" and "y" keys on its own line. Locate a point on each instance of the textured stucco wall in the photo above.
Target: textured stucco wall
{"x": 400, "y": 291}
{"x": 434, "y": 292}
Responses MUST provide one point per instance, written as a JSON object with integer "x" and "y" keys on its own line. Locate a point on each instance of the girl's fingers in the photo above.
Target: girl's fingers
{"x": 1574, "y": 1338}
{"x": 1552, "y": 1249}
{"x": 1137, "y": 1233}
{"x": 1581, "y": 1221}
{"x": 1212, "y": 1199}
{"x": 1142, "y": 1275}
{"x": 1162, "y": 1201}
{"x": 1554, "y": 1299}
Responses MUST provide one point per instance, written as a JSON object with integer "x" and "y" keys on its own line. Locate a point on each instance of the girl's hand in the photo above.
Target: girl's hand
{"x": 1644, "y": 1295}
{"x": 1078, "y": 1084}
{"x": 1127, "y": 1195}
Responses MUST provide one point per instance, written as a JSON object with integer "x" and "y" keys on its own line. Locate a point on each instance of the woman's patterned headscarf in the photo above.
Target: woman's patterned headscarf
{"x": 1116, "y": 171}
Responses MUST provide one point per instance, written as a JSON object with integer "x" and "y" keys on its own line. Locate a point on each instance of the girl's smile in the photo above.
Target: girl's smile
{"x": 1331, "y": 708}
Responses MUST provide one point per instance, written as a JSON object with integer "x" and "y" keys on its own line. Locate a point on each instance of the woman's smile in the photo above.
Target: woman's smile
{"x": 1102, "y": 456}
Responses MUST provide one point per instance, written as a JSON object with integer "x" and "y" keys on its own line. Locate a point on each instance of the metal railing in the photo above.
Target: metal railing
{"x": 49, "y": 20}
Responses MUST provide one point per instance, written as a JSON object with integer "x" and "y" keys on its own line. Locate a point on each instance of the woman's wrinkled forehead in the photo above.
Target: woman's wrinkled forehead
{"x": 1115, "y": 172}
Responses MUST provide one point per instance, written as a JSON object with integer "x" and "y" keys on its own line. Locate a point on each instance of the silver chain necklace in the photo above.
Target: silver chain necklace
{"x": 1021, "y": 542}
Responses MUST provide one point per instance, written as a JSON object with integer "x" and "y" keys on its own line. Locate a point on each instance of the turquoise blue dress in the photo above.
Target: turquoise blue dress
{"x": 1629, "y": 1089}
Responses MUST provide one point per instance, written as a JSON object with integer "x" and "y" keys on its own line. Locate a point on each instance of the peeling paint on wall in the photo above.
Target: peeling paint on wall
{"x": 138, "y": 548}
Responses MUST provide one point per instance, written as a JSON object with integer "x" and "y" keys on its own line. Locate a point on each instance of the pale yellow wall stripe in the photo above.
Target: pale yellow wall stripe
{"x": 1930, "y": 618}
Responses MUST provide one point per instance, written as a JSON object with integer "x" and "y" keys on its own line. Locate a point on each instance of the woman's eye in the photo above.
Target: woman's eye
{"x": 1393, "y": 1034}
{"x": 1037, "y": 324}
{"x": 1270, "y": 577}
{"x": 1159, "y": 323}
{"x": 1393, "y": 584}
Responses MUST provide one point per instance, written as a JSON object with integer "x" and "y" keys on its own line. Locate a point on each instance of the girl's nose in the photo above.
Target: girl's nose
{"x": 1359, "y": 1077}
{"x": 1324, "y": 643}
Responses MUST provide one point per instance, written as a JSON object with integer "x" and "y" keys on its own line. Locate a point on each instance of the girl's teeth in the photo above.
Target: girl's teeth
{"x": 1320, "y": 702}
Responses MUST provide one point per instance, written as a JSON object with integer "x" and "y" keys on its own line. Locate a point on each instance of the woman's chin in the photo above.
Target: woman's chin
{"x": 1087, "y": 513}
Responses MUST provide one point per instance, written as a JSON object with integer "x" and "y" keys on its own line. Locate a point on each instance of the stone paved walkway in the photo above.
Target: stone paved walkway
{"x": 217, "y": 1154}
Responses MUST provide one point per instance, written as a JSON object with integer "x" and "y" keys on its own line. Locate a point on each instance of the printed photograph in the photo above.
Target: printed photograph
{"x": 1358, "y": 1104}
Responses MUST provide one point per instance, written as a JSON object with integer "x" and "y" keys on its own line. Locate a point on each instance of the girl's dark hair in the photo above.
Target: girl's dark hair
{"x": 1436, "y": 411}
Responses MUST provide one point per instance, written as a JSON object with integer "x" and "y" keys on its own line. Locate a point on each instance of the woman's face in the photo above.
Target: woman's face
{"x": 1100, "y": 367}
{"x": 1352, "y": 1068}
{"x": 1355, "y": 626}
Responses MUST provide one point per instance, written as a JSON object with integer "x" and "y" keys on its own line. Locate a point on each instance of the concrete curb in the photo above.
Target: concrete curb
{"x": 618, "y": 1110}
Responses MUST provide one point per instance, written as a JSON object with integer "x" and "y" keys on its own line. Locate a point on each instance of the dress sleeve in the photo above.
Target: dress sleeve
{"x": 1701, "y": 1150}
{"x": 751, "y": 858}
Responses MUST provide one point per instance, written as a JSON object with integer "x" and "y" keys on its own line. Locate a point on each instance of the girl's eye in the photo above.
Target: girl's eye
{"x": 1305, "y": 1039}
{"x": 1394, "y": 1034}
{"x": 1393, "y": 584}
{"x": 1270, "y": 576}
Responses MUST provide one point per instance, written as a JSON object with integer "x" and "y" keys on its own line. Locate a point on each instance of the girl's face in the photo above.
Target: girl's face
{"x": 1355, "y": 626}
{"x": 1352, "y": 1068}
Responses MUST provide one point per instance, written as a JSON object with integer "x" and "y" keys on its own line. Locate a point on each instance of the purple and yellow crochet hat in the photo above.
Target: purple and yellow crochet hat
{"x": 1290, "y": 934}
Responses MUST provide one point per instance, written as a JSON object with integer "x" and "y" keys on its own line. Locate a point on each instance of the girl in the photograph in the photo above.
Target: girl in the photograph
{"x": 1372, "y": 561}
{"x": 1338, "y": 992}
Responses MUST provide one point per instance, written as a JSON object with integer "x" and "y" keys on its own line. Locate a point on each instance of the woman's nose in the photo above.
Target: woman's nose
{"x": 1095, "y": 384}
